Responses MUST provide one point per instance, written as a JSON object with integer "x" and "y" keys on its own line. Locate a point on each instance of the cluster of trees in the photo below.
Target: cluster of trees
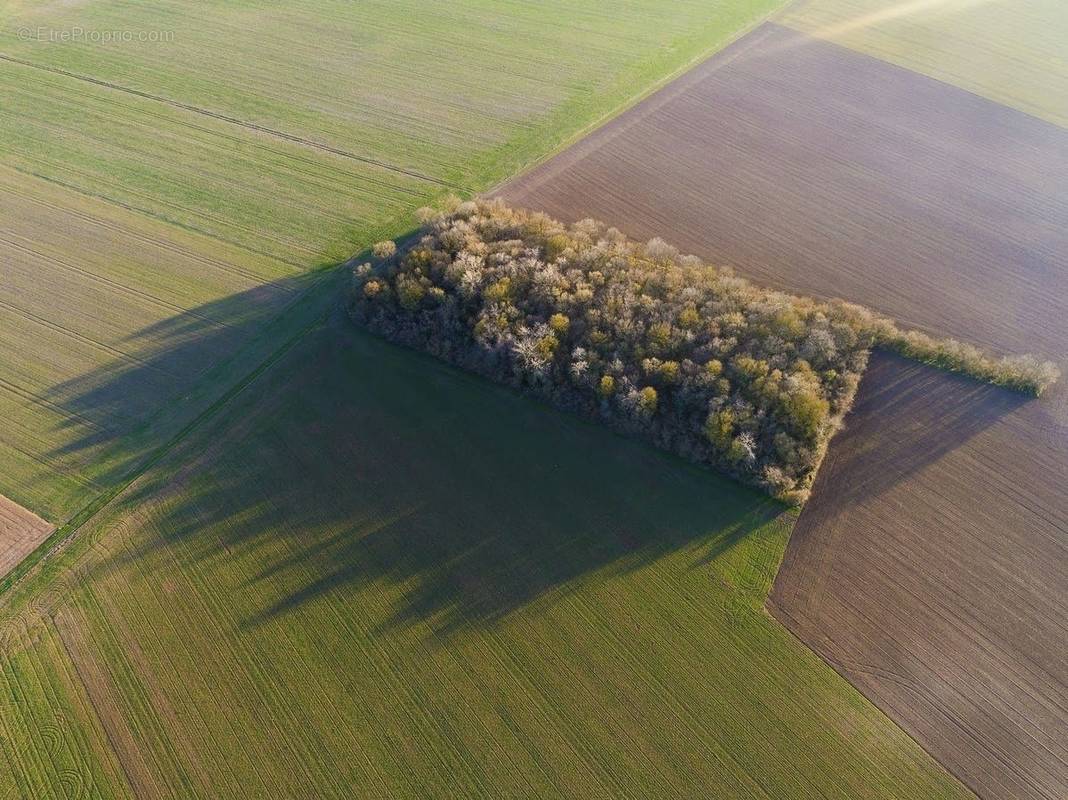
{"x": 691, "y": 357}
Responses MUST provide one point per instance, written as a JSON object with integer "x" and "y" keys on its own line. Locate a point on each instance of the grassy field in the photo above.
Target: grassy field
{"x": 322, "y": 593}
{"x": 93, "y": 292}
{"x": 239, "y": 146}
{"x": 1011, "y": 51}
{"x": 313, "y": 588}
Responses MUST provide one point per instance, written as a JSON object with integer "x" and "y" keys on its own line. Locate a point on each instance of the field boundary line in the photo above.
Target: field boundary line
{"x": 110, "y": 283}
{"x": 119, "y": 355}
{"x": 793, "y": 628}
{"x": 632, "y": 101}
{"x": 165, "y": 220}
{"x": 235, "y": 121}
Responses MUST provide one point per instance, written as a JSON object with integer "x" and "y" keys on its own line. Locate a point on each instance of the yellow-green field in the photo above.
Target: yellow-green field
{"x": 1011, "y": 51}
{"x": 211, "y": 148}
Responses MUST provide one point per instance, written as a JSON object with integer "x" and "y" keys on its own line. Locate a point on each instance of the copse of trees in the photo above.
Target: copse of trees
{"x": 656, "y": 344}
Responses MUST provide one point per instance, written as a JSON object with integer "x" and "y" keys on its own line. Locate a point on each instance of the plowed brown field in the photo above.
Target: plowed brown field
{"x": 812, "y": 167}
{"x": 20, "y": 532}
{"x": 931, "y": 565}
{"x": 931, "y": 569}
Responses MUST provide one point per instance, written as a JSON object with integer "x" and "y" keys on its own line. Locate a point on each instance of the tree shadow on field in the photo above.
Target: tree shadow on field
{"x": 907, "y": 416}
{"x": 354, "y": 464}
{"x": 170, "y": 371}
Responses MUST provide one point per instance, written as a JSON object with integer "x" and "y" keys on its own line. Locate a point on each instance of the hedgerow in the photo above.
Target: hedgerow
{"x": 689, "y": 356}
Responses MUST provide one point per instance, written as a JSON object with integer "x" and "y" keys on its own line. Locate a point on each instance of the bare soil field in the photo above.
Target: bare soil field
{"x": 929, "y": 569}
{"x": 812, "y": 167}
{"x": 20, "y": 532}
{"x": 1012, "y": 53}
{"x": 930, "y": 566}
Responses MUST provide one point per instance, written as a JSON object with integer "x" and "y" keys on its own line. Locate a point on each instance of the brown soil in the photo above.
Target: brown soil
{"x": 20, "y": 532}
{"x": 931, "y": 569}
{"x": 931, "y": 565}
{"x": 828, "y": 172}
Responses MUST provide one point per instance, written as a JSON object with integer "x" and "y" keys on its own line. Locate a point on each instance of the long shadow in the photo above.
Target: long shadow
{"x": 907, "y": 416}
{"x": 169, "y": 372}
{"x": 353, "y": 462}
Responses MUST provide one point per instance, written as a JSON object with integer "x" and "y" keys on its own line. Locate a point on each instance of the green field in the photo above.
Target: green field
{"x": 140, "y": 180}
{"x": 1010, "y": 51}
{"x": 321, "y": 593}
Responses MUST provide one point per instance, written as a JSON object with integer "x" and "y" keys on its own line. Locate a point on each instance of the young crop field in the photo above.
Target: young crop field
{"x": 310, "y": 587}
{"x": 1012, "y": 52}
{"x": 928, "y": 567}
{"x": 322, "y": 593}
{"x": 92, "y": 293}
{"x": 156, "y": 158}
{"x": 306, "y": 562}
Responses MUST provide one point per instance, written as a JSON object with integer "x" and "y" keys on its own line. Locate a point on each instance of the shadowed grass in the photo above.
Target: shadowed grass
{"x": 372, "y": 553}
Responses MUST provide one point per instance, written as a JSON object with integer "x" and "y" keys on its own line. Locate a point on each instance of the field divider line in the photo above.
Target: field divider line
{"x": 595, "y": 126}
{"x": 183, "y": 226}
{"x": 110, "y": 283}
{"x": 235, "y": 121}
{"x": 25, "y": 393}
{"x": 236, "y": 138}
{"x": 64, "y": 534}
